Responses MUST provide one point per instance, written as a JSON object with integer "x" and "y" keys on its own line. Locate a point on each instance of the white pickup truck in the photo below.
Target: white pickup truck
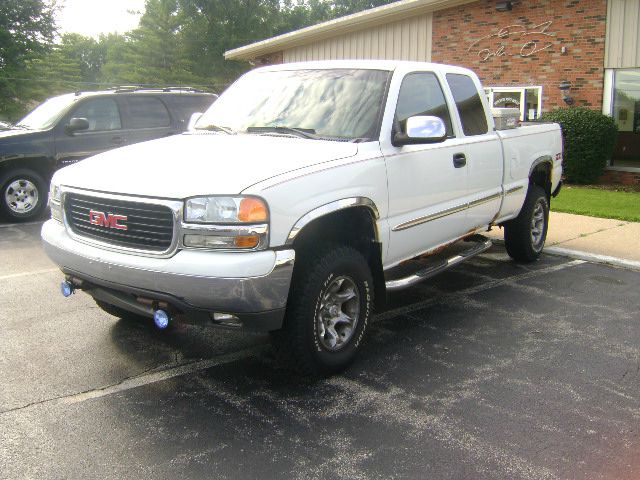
{"x": 303, "y": 195}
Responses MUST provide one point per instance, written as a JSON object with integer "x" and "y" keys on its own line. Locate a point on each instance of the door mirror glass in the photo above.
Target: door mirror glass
{"x": 421, "y": 129}
{"x": 77, "y": 124}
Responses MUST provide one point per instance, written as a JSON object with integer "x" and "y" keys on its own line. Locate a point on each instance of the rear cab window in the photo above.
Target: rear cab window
{"x": 468, "y": 103}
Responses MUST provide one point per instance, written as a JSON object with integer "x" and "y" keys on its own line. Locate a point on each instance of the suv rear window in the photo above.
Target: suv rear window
{"x": 183, "y": 106}
{"x": 147, "y": 112}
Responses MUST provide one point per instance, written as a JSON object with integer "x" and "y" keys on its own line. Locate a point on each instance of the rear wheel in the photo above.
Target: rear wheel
{"x": 23, "y": 194}
{"x": 524, "y": 236}
{"x": 330, "y": 305}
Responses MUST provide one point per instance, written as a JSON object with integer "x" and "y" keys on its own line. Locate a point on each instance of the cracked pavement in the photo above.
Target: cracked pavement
{"x": 490, "y": 371}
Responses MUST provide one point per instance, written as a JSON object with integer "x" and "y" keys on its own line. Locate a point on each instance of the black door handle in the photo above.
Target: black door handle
{"x": 117, "y": 140}
{"x": 459, "y": 160}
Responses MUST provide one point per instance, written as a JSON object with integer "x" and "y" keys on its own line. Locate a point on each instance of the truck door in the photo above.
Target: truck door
{"x": 482, "y": 150}
{"x": 427, "y": 183}
{"x": 104, "y": 132}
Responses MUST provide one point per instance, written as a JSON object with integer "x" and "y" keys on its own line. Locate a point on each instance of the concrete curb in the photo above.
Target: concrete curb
{"x": 586, "y": 256}
{"x": 593, "y": 257}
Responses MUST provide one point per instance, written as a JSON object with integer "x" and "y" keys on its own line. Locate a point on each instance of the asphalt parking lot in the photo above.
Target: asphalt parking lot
{"x": 491, "y": 371}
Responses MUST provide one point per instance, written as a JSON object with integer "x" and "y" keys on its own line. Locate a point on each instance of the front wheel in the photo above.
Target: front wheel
{"x": 524, "y": 236}
{"x": 330, "y": 305}
{"x": 23, "y": 194}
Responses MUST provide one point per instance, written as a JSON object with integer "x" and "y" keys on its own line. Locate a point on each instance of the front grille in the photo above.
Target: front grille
{"x": 149, "y": 226}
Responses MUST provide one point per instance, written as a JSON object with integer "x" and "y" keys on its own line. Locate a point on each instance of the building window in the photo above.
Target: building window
{"x": 626, "y": 114}
{"x": 527, "y": 99}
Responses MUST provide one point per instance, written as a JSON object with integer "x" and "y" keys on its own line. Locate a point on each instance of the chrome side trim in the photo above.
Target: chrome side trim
{"x": 429, "y": 218}
{"x": 514, "y": 190}
{"x": 444, "y": 213}
{"x": 486, "y": 199}
{"x": 330, "y": 208}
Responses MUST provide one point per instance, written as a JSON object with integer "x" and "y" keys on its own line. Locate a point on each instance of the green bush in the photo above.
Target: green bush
{"x": 589, "y": 137}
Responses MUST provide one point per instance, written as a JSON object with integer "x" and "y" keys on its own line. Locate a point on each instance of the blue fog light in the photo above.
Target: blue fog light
{"x": 67, "y": 288}
{"x": 161, "y": 319}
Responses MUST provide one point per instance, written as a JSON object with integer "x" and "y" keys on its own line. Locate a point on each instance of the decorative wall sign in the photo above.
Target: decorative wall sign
{"x": 514, "y": 40}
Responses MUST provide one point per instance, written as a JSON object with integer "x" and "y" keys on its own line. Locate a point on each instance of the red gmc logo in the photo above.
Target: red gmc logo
{"x": 108, "y": 220}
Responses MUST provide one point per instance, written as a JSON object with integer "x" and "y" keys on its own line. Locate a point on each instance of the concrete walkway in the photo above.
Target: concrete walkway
{"x": 598, "y": 239}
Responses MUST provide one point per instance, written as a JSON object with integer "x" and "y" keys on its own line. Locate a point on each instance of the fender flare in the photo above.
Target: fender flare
{"x": 332, "y": 207}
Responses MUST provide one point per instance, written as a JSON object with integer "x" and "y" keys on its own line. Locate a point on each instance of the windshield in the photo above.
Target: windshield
{"x": 47, "y": 113}
{"x": 333, "y": 104}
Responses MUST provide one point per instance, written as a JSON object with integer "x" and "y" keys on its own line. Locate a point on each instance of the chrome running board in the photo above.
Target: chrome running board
{"x": 435, "y": 263}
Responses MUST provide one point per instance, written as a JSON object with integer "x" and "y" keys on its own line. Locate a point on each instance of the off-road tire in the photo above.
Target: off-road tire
{"x": 30, "y": 180}
{"x": 318, "y": 277}
{"x": 522, "y": 236}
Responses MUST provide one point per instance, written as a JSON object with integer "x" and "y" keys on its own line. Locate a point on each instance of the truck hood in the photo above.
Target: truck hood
{"x": 199, "y": 164}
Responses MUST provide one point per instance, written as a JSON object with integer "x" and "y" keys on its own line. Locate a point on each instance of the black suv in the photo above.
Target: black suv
{"x": 68, "y": 128}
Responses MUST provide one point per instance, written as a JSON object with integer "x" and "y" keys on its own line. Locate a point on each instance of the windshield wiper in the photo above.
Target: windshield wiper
{"x": 217, "y": 128}
{"x": 20, "y": 125}
{"x": 300, "y": 132}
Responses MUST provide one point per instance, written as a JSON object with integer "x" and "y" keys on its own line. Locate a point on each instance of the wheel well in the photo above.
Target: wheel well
{"x": 541, "y": 176}
{"x": 354, "y": 227}
{"x": 39, "y": 165}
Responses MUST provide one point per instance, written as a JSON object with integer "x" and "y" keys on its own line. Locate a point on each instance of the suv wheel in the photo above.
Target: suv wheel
{"x": 330, "y": 304}
{"x": 23, "y": 194}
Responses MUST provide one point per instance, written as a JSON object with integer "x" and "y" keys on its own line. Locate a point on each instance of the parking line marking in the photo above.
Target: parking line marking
{"x": 479, "y": 288}
{"x": 141, "y": 380}
{"x": 148, "y": 378}
{"x": 26, "y": 274}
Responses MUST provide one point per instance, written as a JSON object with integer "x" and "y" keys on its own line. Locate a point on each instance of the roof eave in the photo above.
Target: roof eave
{"x": 332, "y": 28}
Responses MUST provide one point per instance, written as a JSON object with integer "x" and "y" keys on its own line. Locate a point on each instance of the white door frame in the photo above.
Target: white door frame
{"x": 521, "y": 91}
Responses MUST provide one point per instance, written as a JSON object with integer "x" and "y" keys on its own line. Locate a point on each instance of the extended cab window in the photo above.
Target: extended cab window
{"x": 102, "y": 114}
{"x": 465, "y": 94}
{"x": 421, "y": 94}
{"x": 147, "y": 112}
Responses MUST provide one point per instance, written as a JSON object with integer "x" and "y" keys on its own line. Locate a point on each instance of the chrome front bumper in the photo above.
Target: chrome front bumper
{"x": 247, "y": 284}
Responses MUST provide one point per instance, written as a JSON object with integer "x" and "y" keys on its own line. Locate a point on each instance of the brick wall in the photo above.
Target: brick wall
{"x": 617, "y": 177}
{"x": 525, "y": 46}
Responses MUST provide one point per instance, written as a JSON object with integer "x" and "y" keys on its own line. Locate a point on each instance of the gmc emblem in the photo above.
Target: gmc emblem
{"x": 108, "y": 220}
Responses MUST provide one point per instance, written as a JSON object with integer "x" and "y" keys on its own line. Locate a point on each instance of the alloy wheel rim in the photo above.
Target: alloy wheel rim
{"x": 338, "y": 315}
{"x": 537, "y": 226}
{"x": 21, "y": 196}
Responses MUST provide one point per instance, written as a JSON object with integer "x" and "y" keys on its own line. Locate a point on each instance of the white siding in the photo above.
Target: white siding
{"x": 622, "y": 49}
{"x": 408, "y": 39}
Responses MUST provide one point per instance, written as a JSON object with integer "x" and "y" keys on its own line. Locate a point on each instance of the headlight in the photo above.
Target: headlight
{"x": 55, "y": 193}
{"x": 226, "y": 223}
{"x": 226, "y": 210}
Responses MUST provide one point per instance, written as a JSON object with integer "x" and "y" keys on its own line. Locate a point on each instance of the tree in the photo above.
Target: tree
{"x": 27, "y": 28}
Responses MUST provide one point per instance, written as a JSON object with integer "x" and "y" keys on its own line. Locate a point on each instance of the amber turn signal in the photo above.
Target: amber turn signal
{"x": 252, "y": 210}
{"x": 247, "y": 241}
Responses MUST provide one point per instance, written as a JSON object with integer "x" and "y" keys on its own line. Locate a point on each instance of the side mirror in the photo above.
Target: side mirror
{"x": 421, "y": 129}
{"x": 191, "y": 126}
{"x": 76, "y": 125}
